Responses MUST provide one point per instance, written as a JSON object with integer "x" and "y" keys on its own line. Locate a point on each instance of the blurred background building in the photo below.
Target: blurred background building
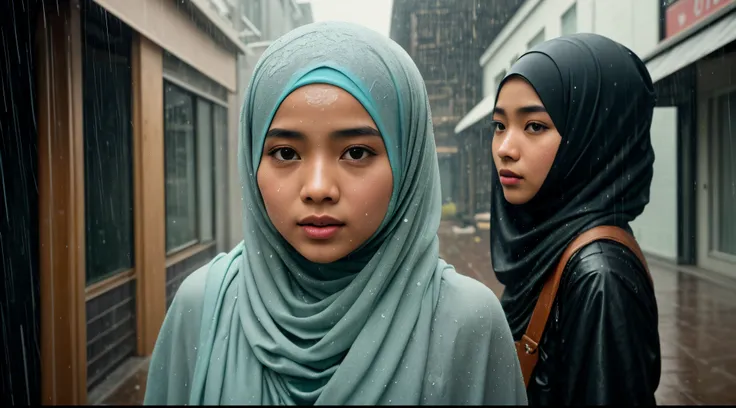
{"x": 446, "y": 38}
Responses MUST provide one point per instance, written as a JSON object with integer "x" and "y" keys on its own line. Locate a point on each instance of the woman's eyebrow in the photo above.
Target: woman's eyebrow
{"x": 285, "y": 134}
{"x": 523, "y": 109}
{"x": 532, "y": 109}
{"x": 337, "y": 134}
{"x": 358, "y": 131}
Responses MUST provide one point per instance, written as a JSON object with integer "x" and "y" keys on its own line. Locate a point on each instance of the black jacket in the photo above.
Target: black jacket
{"x": 601, "y": 343}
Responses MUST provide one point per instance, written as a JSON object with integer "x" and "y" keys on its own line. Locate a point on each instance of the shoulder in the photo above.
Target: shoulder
{"x": 189, "y": 298}
{"x": 607, "y": 273}
{"x": 184, "y": 315}
{"x": 469, "y": 302}
{"x": 605, "y": 263}
{"x": 192, "y": 290}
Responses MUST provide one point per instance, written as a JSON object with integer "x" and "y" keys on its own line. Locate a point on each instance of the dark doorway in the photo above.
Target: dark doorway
{"x": 20, "y": 355}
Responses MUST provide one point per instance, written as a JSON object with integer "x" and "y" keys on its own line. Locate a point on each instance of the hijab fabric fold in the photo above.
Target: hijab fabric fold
{"x": 601, "y": 98}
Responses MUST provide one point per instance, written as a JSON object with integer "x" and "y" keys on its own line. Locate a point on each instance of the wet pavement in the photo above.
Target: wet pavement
{"x": 697, "y": 326}
{"x": 131, "y": 391}
{"x": 697, "y": 322}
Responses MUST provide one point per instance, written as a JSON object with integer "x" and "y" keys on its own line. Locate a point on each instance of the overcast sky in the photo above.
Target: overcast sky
{"x": 374, "y": 14}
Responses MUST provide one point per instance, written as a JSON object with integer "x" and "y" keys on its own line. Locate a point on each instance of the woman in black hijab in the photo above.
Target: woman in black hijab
{"x": 572, "y": 151}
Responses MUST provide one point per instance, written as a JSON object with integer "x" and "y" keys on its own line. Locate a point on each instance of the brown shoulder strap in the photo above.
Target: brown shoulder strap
{"x": 530, "y": 340}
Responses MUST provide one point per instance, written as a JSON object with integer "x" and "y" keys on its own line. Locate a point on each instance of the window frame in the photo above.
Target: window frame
{"x": 714, "y": 171}
{"x": 196, "y": 97}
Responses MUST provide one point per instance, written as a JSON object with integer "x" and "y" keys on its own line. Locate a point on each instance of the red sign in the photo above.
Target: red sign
{"x": 683, "y": 14}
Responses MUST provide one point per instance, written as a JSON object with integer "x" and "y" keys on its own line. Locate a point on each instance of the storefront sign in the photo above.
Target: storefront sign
{"x": 683, "y": 14}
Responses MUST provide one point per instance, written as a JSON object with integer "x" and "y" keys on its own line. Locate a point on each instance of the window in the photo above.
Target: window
{"x": 570, "y": 20}
{"x": 108, "y": 162}
{"x": 539, "y": 38}
{"x": 183, "y": 73}
{"x": 189, "y": 168}
{"x": 206, "y": 173}
{"x": 723, "y": 174}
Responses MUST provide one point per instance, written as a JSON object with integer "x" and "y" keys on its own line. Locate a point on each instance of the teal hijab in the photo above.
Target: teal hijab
{"x": 275, "y": 328}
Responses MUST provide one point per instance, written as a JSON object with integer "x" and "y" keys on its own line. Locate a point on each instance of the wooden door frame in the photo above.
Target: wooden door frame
{"x": 150, "y": 200}
{"x": 61, "y": 205}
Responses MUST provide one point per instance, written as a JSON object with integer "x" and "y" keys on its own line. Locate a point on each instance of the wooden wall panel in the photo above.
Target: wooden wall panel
{"x": 61, "y": 205}
{"x": 150, "y": 214}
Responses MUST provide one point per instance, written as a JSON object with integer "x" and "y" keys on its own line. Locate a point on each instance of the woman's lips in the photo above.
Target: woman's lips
{"x": 320, "y": 227}
{"x": 509, "y": 178}
{"x": 320, "y": 232}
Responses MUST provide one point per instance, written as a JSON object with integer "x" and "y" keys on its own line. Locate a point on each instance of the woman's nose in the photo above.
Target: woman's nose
{"x": 320, "y": 183}
{"x": 509, "y": 148}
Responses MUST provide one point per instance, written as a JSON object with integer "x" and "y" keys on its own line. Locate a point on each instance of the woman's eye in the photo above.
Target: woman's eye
{"x": 285, "y": 154}
{"x": 356, "y": 153}
{"x": 536, "y": 127}
{"x": 497, "y": 126}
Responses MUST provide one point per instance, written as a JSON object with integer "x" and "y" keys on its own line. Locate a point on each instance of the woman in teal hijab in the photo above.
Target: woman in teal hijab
{"x": 337, "y": 294}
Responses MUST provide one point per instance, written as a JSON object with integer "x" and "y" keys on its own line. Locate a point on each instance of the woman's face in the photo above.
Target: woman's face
{"x": 525, "y": 141}
{"x": 324, "y": 174}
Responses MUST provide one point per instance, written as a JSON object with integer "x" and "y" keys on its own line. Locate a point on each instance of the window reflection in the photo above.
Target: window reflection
{"x": 108, "y": 161}
{"x": 181, "y": 204}
{"x": 189, "y": 170}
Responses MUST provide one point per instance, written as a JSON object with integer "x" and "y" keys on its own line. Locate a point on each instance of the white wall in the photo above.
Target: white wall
{"x": 656, "y": 228}
{"x": 633, "y": 23}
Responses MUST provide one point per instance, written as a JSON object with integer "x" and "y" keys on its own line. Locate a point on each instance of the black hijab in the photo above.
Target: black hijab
{"x": 600, "y": 97}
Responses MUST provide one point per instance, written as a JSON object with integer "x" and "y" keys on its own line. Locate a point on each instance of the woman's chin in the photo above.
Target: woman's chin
{"x": 516, "y": 196}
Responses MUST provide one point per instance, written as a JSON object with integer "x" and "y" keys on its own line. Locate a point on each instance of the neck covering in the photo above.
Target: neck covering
{"x": 600, "y": 97}
{"x": 336, "y": 333}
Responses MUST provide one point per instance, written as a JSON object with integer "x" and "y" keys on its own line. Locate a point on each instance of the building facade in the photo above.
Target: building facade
{"x": 445, "y": 38}
{"x": 688, "y": 46}
{"x": 119, "y": 121}
{"x": 120, "y": 133}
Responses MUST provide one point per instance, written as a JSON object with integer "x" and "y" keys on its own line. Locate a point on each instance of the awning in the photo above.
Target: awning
{"x": 693, "y": 48}
{"x": 478, "y": 112}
